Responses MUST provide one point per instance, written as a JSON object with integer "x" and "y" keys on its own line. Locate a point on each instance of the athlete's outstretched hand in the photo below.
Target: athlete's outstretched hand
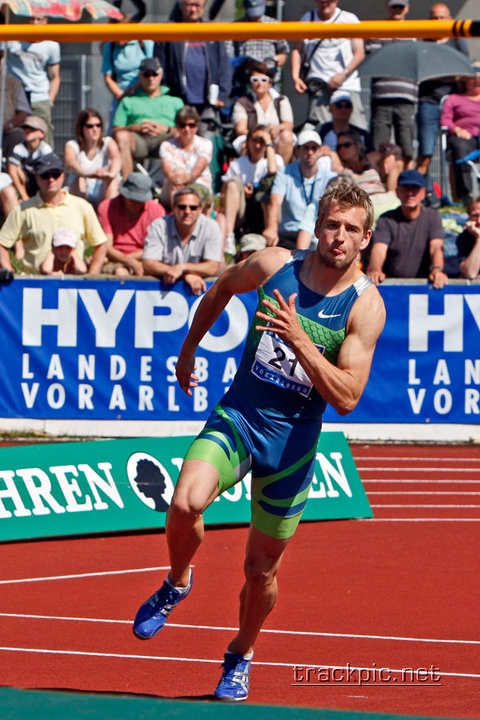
{"x": 284, "y": 320}
{"x": 185, "y": 372}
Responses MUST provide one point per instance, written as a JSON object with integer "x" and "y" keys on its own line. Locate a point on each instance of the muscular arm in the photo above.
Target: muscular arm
{"x": 341, "y": 385}
{"x": 240, "y": 278}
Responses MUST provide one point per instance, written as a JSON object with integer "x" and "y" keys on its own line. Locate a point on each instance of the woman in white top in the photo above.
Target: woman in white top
{"x": 92, "y": 159}
{"x": 246, "y": 186}
{"x": 264, "y": 106}
{"x": 186, "y": 159}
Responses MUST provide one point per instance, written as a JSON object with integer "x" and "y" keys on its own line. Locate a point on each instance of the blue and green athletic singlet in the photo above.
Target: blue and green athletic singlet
{"x": 270, "y": 419}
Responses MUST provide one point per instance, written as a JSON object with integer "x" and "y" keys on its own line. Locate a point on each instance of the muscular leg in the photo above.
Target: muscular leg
{"x": 259, "y": 593}
{"x": 196, "y": 489}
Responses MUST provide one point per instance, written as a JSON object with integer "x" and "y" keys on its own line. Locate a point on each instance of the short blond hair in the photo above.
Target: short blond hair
{"x": 342, "y": 192}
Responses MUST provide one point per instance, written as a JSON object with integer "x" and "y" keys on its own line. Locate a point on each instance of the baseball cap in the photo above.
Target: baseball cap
{"x": 64, "y": 236}
{"x": 411, "y": 177}
{"x": 308, "y": 136}
{"x": 251, "y": 242}
{"x": 339, "y": 96}
{"x": 51, "y": 161}
{"x": 255, "y": 8}
{"x": 151, "y": 64}
{"x": 390, "y": 3}
{"x": 137, "y": 186}
{"x": 36, "y": 123}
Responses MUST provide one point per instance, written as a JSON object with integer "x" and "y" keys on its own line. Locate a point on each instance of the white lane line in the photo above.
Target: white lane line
{"x": 417, "y": 519}
{"x": 268, "y": 631}
{"x": 163, "y": 658}
{"x": 395, "y": 481}
{"x": 412, "y": 469}
{"x": 409, "y": 459}
{"x": 441, "y": 493}
{"x": 83, "y": 575}
{"x": 425, "y": 506}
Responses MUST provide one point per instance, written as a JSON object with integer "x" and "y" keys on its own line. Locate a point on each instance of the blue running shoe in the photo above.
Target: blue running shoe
{"x": 153, "y": 614}
{"x": 235, "y": 681}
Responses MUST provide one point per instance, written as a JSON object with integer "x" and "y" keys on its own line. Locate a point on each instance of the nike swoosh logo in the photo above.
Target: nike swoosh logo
{"x": 321, "y": 314}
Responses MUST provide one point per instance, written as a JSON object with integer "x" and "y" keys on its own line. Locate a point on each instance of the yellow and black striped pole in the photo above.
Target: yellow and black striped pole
{"x": 84, "y": 32}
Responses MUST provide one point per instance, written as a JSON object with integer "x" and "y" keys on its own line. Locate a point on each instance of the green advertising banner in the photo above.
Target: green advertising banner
{"x": 103, "y": 486}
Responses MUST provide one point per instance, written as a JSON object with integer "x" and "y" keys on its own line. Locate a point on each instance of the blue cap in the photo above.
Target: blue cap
{"x": 411, "y": 177}
{"x": 255, "y": 8}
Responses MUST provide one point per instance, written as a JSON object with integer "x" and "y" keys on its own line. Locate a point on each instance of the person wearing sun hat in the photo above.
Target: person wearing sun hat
{"x": 408, "y": 241}
{"x": 35, "y": 221}
{"x": 125, "y": 220}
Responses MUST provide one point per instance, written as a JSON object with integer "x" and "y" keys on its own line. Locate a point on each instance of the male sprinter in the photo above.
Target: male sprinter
{"x": 312, "y": 343}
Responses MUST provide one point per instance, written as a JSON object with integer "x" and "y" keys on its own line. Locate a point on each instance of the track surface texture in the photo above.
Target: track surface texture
{"x": 373, "y": 616}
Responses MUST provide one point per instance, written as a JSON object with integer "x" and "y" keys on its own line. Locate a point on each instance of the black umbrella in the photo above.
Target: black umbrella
{"x": 417, "y": 61}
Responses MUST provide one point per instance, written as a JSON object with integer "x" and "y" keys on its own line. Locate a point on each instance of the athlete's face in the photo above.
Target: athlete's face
{"x": 341, "y": 236}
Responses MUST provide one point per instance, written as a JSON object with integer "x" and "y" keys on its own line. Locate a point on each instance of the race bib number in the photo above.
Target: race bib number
{"x": 276, "y": 362}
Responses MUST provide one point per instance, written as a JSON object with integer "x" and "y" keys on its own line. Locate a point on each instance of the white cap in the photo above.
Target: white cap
{"x": 64, "y": 236}
{"x": 308, "y": 136}
{"x": 340, "y": 95}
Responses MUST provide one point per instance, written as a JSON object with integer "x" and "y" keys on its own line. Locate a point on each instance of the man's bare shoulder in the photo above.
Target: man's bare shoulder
{"x": 369, "y": 312}
{"x": 261, "y": 265}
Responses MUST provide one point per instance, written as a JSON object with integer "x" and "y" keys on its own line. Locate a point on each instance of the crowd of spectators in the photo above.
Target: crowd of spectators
{"x": 234, "y": 173}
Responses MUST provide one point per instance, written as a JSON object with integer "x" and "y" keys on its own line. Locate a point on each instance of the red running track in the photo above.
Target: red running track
{"x": 365, "y": 607}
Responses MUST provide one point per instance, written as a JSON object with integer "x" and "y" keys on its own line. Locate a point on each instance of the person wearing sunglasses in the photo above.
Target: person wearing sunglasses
{"x": 92, "y": 159}
{"x": 144, "y": 119}
{"x": 35, "y": 221}
{"x": 341, "y": 108}
{"x": 356, "y": 165}
{"x": 264, "y": 106}
{"x": 186, "y": 245}
{"x": 186, "y": 159}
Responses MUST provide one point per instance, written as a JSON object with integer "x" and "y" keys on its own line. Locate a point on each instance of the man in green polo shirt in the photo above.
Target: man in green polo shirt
{"x": 144, "y": 119}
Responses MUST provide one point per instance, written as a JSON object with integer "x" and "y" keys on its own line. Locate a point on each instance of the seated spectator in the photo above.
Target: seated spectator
{"x": 63, "y": 258}
{"x": 248, "y": 244}
{"x": 35, "y": 221}
{"x": 352, "y": 154}
{"x": 468, "y": 243}
{"x": 8, "y": 196}
{"x": 460, "y": 115}
{"x": 341, "y": 108}
{"x": 408, "y": 241}
{"x": 186, "y": 245}
{"x": 23, "y": 157}
{"x": 246, "y": 187}
{"x": 15, "y": 109}
{"x": 146, "y": 118}
{"x": 264, "y": 106}
{"x": 121, "y": 62}
{"x": 92, "y": 159}
{"x": 296, "y": 186}
{"x": 125, "y": 221}
{"x": 186, "y": 158}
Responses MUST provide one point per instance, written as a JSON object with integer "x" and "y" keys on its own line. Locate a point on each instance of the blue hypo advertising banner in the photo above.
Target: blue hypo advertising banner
{"x": 106, "y": 350}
